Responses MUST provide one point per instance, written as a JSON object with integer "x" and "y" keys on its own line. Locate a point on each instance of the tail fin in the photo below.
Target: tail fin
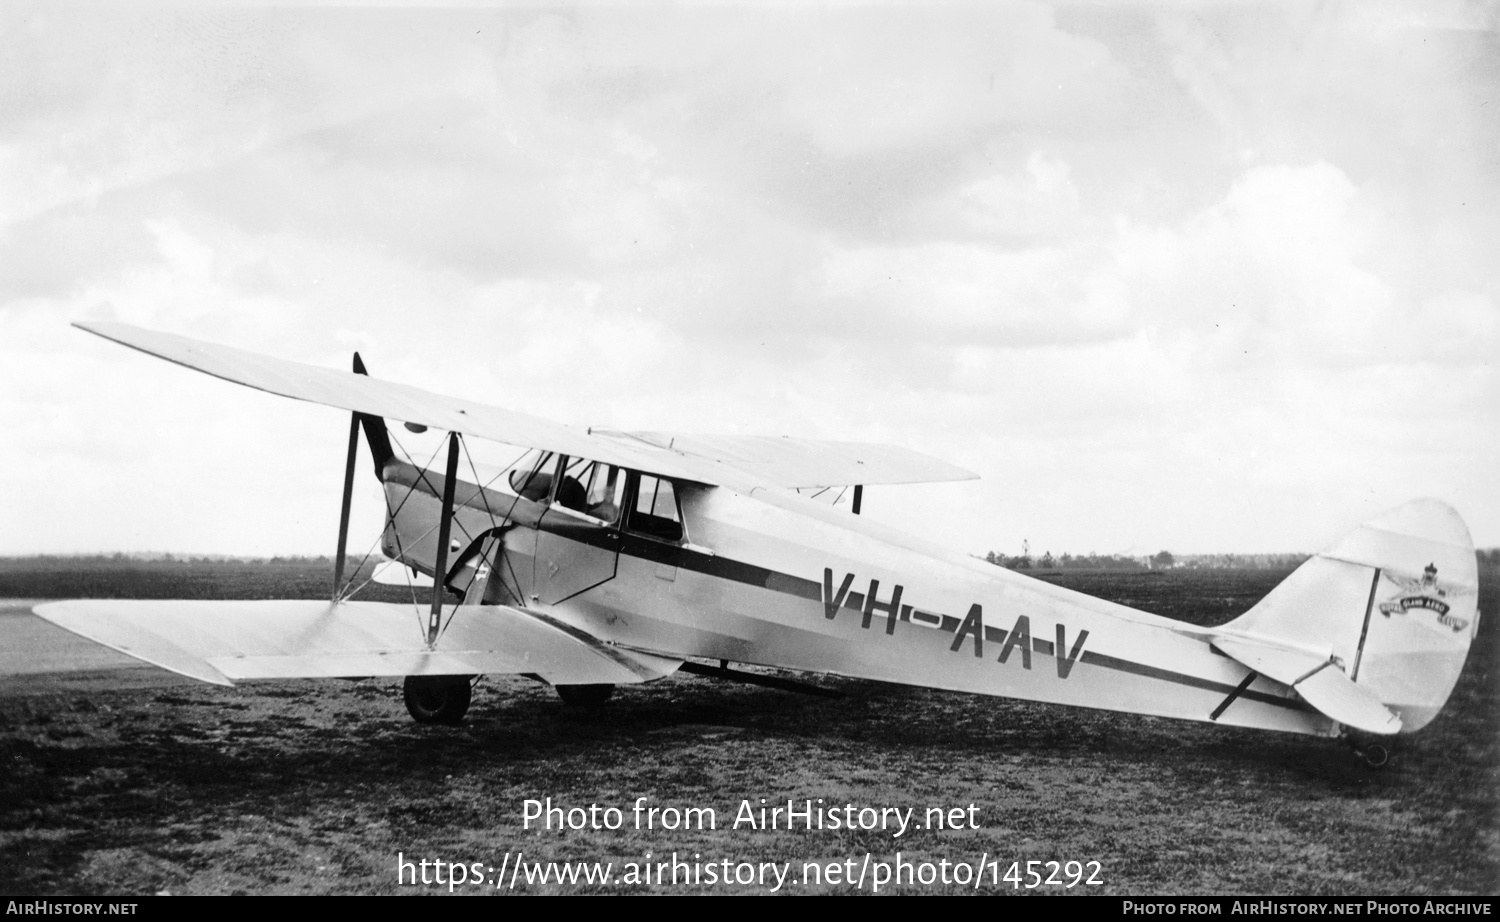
{"x": 375, "y": 434}
{"x": 1392, "y": 606}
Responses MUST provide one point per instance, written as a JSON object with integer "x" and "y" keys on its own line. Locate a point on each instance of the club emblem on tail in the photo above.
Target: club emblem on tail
{"x": 1423, "y": 593}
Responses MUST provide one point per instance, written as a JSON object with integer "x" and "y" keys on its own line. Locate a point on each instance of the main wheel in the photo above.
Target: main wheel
{"x": 584, "y": 696}
{"x": 437, "y": 699}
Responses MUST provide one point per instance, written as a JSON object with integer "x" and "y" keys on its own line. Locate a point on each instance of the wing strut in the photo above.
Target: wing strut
{"x": 338, "y": 560}
{"x": 440, "y": 568}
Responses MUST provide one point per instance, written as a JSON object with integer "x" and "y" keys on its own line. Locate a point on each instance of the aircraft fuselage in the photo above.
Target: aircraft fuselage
{"x": 786, "y": 582}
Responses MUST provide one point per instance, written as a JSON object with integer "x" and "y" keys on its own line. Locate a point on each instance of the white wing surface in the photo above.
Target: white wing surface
{"x": 224, "y": 642}
{"x": 739, "y": 463}
{"x": 793, "y": 462}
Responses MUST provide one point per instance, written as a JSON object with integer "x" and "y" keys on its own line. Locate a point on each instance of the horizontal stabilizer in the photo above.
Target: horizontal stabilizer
{"x": 1314, "y": 676}
{"x": 1285, "y": 664}
{"x": 1331, "y": 692}
{"x": 223, "y": 642}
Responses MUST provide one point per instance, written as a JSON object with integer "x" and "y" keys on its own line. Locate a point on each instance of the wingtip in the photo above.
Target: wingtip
{"x": 111, "y": 330}
{"x": 108, "y": 622}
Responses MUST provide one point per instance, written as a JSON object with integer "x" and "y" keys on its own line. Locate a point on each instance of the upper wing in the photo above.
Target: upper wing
{"x": 793, "y": 462}
{"x": 221, "y": 642}
{"x": 742, "y": 463}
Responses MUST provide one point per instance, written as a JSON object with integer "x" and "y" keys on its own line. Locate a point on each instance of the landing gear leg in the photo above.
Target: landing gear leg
{"x": 437, "y": 699}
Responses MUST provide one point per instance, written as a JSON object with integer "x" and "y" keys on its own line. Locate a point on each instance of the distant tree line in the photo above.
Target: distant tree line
{"x": 1487, "y": 558}
{"x": 1068, "y": 562}
{"x": 1162, "y": 560}
{"x": 50, "y": 561}
{"x": 1243, "y": 561}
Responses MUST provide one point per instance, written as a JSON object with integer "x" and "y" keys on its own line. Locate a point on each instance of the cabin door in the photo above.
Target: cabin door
{"x": 578, "y": 542}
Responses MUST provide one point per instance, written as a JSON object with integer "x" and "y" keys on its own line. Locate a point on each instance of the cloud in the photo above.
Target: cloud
{"x": 1133, "y": 265}
{"x": 1041, "y": 202}
{"x": 1296, "y": 263}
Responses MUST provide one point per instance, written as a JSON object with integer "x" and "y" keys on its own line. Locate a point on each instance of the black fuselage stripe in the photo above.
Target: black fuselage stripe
{"x": 1166, "y": 675}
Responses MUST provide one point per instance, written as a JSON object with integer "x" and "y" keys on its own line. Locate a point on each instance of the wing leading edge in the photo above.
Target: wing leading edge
{"x": 736, "y": 462}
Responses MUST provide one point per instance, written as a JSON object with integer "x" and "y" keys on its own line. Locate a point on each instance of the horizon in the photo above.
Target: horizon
{"x": 1483, "y": 554}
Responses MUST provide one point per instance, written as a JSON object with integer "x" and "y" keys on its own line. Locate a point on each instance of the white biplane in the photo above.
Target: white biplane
{"x": 605, "y": 558}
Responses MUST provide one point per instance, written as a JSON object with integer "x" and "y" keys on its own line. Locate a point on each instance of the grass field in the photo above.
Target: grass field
{"x": 317, "y": 787}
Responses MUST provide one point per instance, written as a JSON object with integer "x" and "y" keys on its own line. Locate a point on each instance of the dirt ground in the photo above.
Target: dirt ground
{"x": 127, "y": 781}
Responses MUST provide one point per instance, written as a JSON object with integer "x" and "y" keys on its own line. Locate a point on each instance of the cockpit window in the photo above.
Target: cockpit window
{"x": 592, "y": 487}
{"x": 654, "y": 511}
{"x": 606, "y": 492}
{"x": 530, "y": 477}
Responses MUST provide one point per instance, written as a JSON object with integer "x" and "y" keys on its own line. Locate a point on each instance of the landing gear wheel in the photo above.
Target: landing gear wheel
{"x": 437, "y": 699}
{"x": 1368, "y": 750}
{"x": 1374, "y": 755}
{"x": 584, "y": 696}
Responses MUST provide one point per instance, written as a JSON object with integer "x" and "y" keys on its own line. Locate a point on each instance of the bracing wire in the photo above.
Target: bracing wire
{"x": 541, "y": 457}
{"x": 423, "y": 478}
{"x": 345, "y": 596}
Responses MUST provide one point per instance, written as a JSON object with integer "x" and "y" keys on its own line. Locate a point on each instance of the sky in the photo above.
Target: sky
{"x": 1198, "y": 277}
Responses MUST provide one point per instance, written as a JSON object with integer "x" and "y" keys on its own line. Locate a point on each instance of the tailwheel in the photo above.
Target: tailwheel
{"x": 1373, "y": 754}
{"x": 584, "y": 696}
{"x": 437, "y": 699}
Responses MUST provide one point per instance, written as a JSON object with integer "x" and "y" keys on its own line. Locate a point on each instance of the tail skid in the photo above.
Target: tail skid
{"x": 1374, "y": 630}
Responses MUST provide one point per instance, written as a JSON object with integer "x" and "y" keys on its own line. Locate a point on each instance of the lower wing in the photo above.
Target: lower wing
{"x": 223, "y": 642}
